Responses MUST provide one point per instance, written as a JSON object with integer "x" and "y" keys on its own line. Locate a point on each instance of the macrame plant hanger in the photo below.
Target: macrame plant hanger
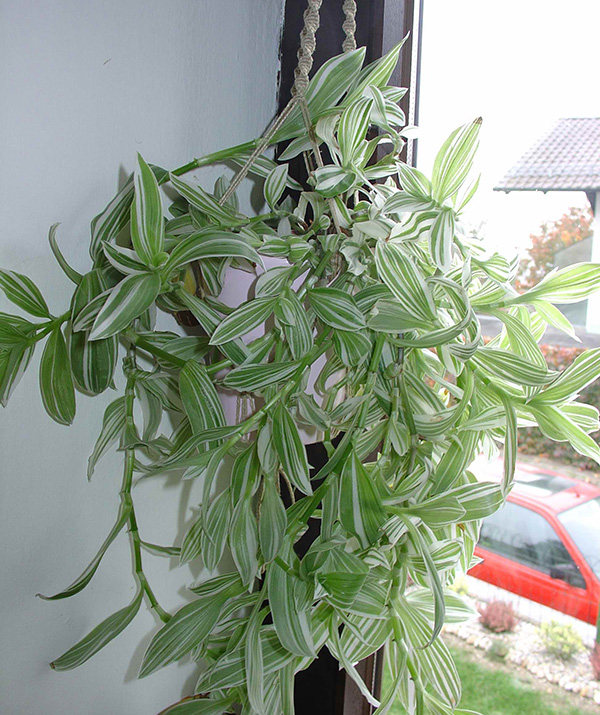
{"x": 306, "y": 51}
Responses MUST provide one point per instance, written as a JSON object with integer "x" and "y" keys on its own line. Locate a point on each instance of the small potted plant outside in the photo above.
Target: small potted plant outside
{"x": 377, "y": 277}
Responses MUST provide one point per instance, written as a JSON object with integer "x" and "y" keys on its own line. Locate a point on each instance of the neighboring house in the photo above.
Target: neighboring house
{"x": 567, "y": 158}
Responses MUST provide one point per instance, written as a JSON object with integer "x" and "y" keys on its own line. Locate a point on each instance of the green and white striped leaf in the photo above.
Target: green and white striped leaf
{"x": 216, "y": 530}
{"x": 454, "y": 160}
{"x": 325, "y": 89}
{"x": 389, "y": 317}
{"x": 312, "y": 413}
{"x": 361, "y": 507}
{"x": 243, "y": 540}
{"x": 478, "y": 500}
{"x": 209, "y": 319}
{"x": 333, "y": 180}
{"x": 244, "y": 319}
{"x": 108, "y": 224}
{"x": 190, "y": 625}
{"x": 336, "y": 308}
{"x": 205, "y": 202}
{"x": 200, "y": 399}
{"x": 556, "y": 425}
{"x": 265, "y": 449}
{"x": 402, "y": 276}
{"x": 415, "y": 184}
{"x": 352, "y": 128}
{"x": 80, "y": 583}
{"x": 337, "y": 649}
{"x": 438, "y": 511}
{"x": 13, "y": 364}
{"x": 93, "y": 362}
{"x": 275, "y": 184}
{"x": 272, "y": 520}
{"x": 552, "y": 315}
{"x": 511, "y": 440}
{"x": 249, "y": 378}
{"x": 199, "y": 705}
{"x": 292, "y": 625}
{"x": 352, "y": 348}
{"x": 514, "y": 368}
{"x": 209, "y": 243}
{"x": 457, "y": 610}
{"x": 191, "y": 544}
{"x": 113, "y": 427}
{"x": 569, "y": 383}
{"x": 123, "y": 259}
{"x": 441, "y": 240}
{"x": 127, "y": 301}
{"x": 70, "y": 272}
{"x": 100, "y": 636}
{"x": 584, "y": 416}
{"x": 376, "y": 74}
{"x": 244, "y": 473}
{"x": 56, "y": 380}
{"x": 299, "y": 332}
{"x": 253, "y": 661}
{"x": 435, "y": 583}
{"x": 147, "y": 226}
{"x": 568, "y": 285}
{"x": 22, "y": 291}
{"x": 290, "y": 449}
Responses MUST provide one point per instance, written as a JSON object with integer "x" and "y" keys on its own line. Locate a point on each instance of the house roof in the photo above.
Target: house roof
{"x": 567, "y": 158}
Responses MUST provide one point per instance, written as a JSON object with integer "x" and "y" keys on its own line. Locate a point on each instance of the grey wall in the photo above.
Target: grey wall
{"x": 84, "y": 86}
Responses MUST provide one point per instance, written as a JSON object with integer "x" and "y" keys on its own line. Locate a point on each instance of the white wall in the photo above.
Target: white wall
{"x": 83, "y": 86}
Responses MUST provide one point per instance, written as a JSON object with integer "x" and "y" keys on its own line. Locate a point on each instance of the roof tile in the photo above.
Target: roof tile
{"x": 567, "y": 158}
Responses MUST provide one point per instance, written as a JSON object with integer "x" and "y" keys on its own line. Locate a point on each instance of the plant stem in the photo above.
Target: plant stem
{"x": 216, "y": 157}
{"x": 127, "y": 500}
{"x": 50, "y": 326}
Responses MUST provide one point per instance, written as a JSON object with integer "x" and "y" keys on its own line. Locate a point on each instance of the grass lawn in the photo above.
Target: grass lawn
{"x": 494, "y": 690}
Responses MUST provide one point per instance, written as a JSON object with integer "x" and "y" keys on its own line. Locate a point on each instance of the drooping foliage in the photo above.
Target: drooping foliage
{"x": 376, "y": 274}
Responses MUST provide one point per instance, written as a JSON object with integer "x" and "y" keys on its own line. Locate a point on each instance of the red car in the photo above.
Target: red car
{"x": 544, "y": 543}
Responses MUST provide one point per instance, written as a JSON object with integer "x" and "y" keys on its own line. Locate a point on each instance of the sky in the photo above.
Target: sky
{"x": 520, "y": 65}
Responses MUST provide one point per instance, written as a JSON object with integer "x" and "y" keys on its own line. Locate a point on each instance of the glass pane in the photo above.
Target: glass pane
{"x": 524, "y": 536}
{"x": 583, "y": 524}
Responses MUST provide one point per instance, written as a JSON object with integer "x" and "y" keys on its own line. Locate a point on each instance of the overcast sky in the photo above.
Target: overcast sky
{"x": 520, "y": 64}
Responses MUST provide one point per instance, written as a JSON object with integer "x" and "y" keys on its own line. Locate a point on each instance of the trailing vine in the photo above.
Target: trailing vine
{"x": 376, "y": 274}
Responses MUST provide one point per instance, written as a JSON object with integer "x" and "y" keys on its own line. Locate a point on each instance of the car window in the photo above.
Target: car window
{"x": 583, "y": 524}
{"x": 524, "y": 536}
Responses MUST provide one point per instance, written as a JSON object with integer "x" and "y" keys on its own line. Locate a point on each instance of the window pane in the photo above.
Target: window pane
{"x": 583, "y": 524}
{"x": 524, "y": 536}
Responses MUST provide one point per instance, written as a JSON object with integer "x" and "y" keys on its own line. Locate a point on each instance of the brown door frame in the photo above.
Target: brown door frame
{"x": 380, "y": 24}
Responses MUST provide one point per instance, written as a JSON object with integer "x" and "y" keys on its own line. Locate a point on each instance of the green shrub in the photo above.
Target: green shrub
{"x": 561, "y": 639}
{"x": 460, "y": 585}
{"x": 498, "y": 650}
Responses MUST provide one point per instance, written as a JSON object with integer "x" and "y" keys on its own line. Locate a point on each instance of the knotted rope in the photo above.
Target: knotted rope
{"x": 349, "y": 25}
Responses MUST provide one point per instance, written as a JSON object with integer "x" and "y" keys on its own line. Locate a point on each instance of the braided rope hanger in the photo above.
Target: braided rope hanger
{"x": 306, "y": 51}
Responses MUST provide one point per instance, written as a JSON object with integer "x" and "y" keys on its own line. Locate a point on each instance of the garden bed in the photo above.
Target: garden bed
{"x": 524, "y": 648}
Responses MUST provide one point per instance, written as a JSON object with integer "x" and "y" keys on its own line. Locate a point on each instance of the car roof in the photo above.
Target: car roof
{"x": 541, "y": 486}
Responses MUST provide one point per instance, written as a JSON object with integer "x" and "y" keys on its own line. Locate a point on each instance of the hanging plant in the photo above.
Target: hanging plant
{"x": 376, "y": 275}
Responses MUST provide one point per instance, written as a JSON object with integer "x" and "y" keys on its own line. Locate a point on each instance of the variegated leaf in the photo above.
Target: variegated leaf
{"x": 127, "y": 301}
{"x": 56, "y": 379}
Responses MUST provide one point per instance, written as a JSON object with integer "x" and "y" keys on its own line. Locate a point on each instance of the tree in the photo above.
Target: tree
{"x": 571, "y": 227}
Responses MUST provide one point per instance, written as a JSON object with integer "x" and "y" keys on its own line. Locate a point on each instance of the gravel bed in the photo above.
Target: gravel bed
{"x": 525, "y": 649}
